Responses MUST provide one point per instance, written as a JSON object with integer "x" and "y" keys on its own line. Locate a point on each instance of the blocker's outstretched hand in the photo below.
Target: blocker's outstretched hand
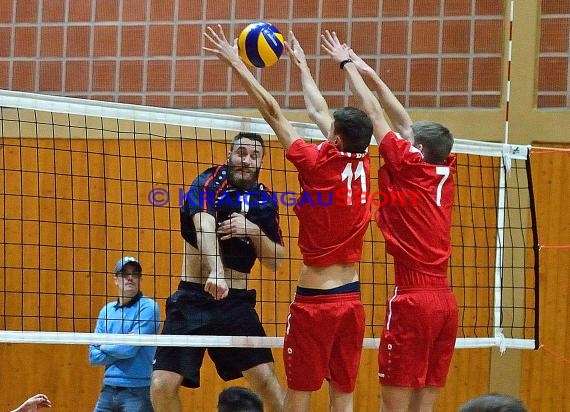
{"x": 333, "y": 47}
{"x": 220, "y": 45}
{"x": 295, "y": 51}
{"x": 363, "y": 68}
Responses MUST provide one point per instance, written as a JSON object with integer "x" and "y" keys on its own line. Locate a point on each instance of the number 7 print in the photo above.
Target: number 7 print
{"x": 442, "y": 171}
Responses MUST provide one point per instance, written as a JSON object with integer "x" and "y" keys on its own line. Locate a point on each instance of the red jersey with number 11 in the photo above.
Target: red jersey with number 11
{"x": 333, "y": 207}
{"x": 417, "y": 231}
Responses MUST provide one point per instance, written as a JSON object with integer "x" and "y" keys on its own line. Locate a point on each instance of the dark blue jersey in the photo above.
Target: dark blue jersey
{"x": 211, "y": 193}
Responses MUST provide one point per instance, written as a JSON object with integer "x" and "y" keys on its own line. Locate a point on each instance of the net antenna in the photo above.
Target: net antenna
{"x": 100, "y": 161}
{"x": 505, "y": 167}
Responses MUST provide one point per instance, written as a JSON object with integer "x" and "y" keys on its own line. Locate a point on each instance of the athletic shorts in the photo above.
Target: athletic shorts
{"x": 192, "y": 311}
{"x": 418, "y": 338}
{"x": 323, "y": 340}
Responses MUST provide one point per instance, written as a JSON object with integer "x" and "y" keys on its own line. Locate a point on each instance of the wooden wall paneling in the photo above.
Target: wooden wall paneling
{"x": 546, "y": 370}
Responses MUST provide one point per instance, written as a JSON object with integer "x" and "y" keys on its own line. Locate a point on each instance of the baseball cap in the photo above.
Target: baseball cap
{"x": 125, "y": 261}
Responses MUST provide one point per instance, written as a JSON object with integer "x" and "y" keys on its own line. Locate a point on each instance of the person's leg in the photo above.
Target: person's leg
{"x": 423, "y": 399}
{"x": 405, "y": 347}
{"x": 236, "y": 316}
{"x": 105, "y": 401}
{"x": 346, "y": 352}
{"x": 263, "y": 381}
{"x": 340, "y": 401}
{"x": 396, "y": 399}
{"x": 135, "y": 400}
{"x": 442, "y": 347}
{"x": 164, "y": 391}
{"x": 297, "y": 401}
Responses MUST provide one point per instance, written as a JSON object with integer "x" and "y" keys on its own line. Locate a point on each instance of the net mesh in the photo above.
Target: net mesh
{"x": 84, "y": 183}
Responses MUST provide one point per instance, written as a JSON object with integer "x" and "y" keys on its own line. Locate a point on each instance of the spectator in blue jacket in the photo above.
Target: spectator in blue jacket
{"x": 126, "y": 386}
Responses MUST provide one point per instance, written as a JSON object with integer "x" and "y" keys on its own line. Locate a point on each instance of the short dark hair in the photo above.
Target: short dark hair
{"x": 238, "y": 399}
{"x": 436, "y": 140}
{"x": 251, "y": 136}
{"x": 494, "y": 402}
{"x": 354, "y": 127}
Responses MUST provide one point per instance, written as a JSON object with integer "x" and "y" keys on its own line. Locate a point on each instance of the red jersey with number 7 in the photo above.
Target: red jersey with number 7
{"x": 417, "y": 228}
{"x": 333, "y": 206}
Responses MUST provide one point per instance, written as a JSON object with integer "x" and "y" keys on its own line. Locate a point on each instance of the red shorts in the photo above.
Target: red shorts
{"x": 323, "y": 340}
{"x": 418, "y": 338}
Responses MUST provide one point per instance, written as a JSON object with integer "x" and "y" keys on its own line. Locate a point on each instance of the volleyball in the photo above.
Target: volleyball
{"x": 260, "y": 44}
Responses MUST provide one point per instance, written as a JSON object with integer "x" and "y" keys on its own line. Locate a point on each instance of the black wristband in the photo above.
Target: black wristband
{"x": 344, "y": 62}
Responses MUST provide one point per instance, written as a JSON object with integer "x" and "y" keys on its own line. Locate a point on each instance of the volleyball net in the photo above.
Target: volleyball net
{"x": 84, "y": 183}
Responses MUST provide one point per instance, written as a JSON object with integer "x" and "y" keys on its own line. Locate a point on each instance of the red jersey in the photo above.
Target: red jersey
{"x": 416, "y": 224}
{"x": 333, "y": 207}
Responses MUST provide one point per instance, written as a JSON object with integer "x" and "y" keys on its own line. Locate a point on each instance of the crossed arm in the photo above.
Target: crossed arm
{"x": 269, "y": 253}
{"x": 108, "y": 354}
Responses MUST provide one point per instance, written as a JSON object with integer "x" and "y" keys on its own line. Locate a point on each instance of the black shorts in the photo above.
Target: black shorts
{"x": 192, "y": 311}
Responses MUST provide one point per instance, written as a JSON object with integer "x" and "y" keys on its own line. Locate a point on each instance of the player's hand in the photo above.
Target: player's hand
{"x": 333, "y": 47}
{"x": 296, "y": 52}
{"x": 34, "y": 403}
{"x": 216, "y": 286}
{"x": 220, "y": 45}
{"x": 237, "y": 226}
{"x": 361, "y": 65}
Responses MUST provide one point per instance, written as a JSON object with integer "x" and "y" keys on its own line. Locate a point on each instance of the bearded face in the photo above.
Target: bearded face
{"x": 244, "y": 162}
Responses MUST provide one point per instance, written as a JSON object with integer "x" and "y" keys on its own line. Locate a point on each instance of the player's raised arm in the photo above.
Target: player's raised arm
{"x": 317, "y": 107}
{"x": 401, "y": 121}
{"x": 365, "y": 98}
{"x": 266, "y": 104}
